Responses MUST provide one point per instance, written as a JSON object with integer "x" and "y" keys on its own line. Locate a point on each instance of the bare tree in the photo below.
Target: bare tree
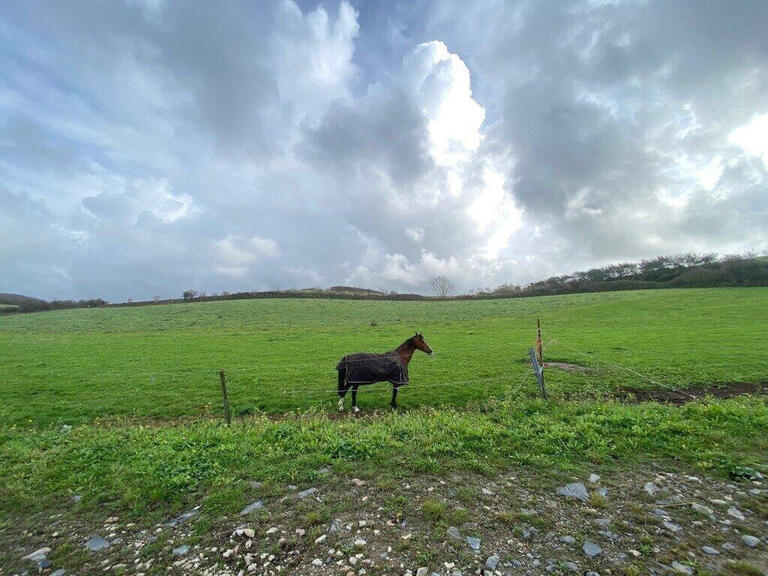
{"x": 441, "y": 286}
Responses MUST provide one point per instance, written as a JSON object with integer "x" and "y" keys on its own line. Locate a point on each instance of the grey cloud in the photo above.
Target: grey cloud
{"x": 135, "y": 141}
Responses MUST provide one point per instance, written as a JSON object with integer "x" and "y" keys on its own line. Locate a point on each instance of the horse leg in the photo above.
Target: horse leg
{"x": 354, "y": 399}
{"x": 343, "y": 387}
{"x": 394, "y": 398}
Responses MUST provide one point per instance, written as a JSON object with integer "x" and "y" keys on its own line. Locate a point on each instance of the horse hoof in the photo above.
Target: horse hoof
{"x": 355, "y": 409}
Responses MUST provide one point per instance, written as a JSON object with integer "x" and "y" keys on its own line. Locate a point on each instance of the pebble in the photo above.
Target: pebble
{"x": 574, "y": 490}
{"x": 321, "y": 539}
{"x": 252, "y": 507}
{"x": 271, "y": 530}
{"x": 487, "y": 491}
{"x": 709, "y": 550}
{"x": 180, "y": 550}
{"x": 454, "y": 533}
{"x": 308, "y": 492}
{"x": 650, "y": 488}
{"x": 728, "y": 546}
{"x": 671, "y": 526}
{"x": 247, "y": 532}
{"x": 317, "y": 562}
{"x": 736, "y": 513}
{"x": 300, "y": 532}
{"x": 492, "y": 562}
{"x": 594, "y": 478}
{"x": 59, "y": 572}
{"x": 750, "y": 541}
{"x": 568, "y": 539}
{"x": 572, "y": 566}
{"x": 423, "y": 571}
{"x": 95, "y": 543}
{"x": 474, "y": 543}
{"x": 181, "y": 518}
{"x": 592, "y": 573}
{"x": 37, "y": 555}
{"x": 701, "y": 508}
{"x": 591, "y": 549}
{"x": 682, "y": 568}
{"x": 360, "y": 543}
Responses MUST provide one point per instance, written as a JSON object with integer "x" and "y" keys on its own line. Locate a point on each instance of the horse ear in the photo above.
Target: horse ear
{"x": 415, "y": 333}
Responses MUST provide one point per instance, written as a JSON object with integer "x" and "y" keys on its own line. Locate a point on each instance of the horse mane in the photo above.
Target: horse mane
{"x": 409, "y": 343}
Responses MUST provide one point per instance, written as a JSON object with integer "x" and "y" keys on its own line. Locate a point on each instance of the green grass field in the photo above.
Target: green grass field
{"x": 161, "y": 362}
{"x": 140, "y": 388}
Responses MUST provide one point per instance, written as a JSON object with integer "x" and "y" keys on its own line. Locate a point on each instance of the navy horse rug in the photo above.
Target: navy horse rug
{"x": 365, "y": 368}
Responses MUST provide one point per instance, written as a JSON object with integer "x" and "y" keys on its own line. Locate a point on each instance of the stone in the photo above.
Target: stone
{"x": 736, "y": 513}
{"x": 255, "y": 485}
{"x": 320, "y": 539}
{"x": 38, "y": 554}
{"x": 423, "y": 571}
{"x": 357, "y": 482}
{"x": 271, "y": 530}
{"x": 592, "y": 573}
{"x": 308, "y": 492}
{"x": 593, "y": 478}
{"x": 487, "y": 491}
{"x": 682, "y": 568}
{"x": 300, "y": 532}
{"x": 650, "y": 488}
{"x": 252, "y": 507}
{"x": 701, "y": 509}
{"x": 96, "y": 543}
{"x": 709, "y": 550}
{"x": 474, "y": 543}
{"x": 454, "y": 533}
{"x": 180, "y": 550}
{"x": 750, "y": 541}
{"x": 317, "y": 562}
{"x": 568, "y": 539}
{"x": 181, "y": 518}
{"x": 574, "y": 490}
{"x": 591, "y": 549}
{"x": 572, "y": 566}
{"x": 603, "y": 522}
{"x": 728, "y": 546}
{"x": 59, "y": 572}
{"x": 334, "y": 526}
{"x": 671, "y": 526}
{"x": 491, "y": 562}
{"x": 360, "y": 543}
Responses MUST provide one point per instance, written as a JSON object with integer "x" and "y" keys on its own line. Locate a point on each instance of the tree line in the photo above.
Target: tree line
{"x": 689, "y": 270}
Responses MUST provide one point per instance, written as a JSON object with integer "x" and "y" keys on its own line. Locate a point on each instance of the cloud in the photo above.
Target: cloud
{"x": 149, "y": 147}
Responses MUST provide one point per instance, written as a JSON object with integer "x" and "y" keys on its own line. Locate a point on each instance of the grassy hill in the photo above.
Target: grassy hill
{"x": 140, "y": 388}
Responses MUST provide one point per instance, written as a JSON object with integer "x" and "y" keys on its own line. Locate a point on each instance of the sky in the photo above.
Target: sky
{"x": 148, "y": 147}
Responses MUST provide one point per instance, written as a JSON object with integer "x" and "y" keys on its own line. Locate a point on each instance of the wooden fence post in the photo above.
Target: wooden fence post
{"x": 538, "y": 343}
{"x": 225, "y": 396}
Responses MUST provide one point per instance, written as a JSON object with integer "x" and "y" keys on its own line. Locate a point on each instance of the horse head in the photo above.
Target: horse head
{"x": 421, "y": 344}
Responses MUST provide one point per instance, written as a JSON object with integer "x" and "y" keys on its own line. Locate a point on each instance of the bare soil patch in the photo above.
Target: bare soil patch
{"x": 576, "y": 368}
{"x": 681, "y": 396}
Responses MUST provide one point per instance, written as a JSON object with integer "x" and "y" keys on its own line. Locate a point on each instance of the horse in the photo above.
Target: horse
{"x": 364, "y": 368}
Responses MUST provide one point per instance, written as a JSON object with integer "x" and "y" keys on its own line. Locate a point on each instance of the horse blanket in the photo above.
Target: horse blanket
{"x": 364, "y": 368}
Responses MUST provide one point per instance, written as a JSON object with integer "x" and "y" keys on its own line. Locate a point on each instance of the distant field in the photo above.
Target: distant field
{"x": 140, "y": 389}
{"x": 161, "y": 362}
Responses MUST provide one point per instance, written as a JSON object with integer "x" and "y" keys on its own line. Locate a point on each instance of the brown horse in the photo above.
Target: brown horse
{"x": 364, "y": 368}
